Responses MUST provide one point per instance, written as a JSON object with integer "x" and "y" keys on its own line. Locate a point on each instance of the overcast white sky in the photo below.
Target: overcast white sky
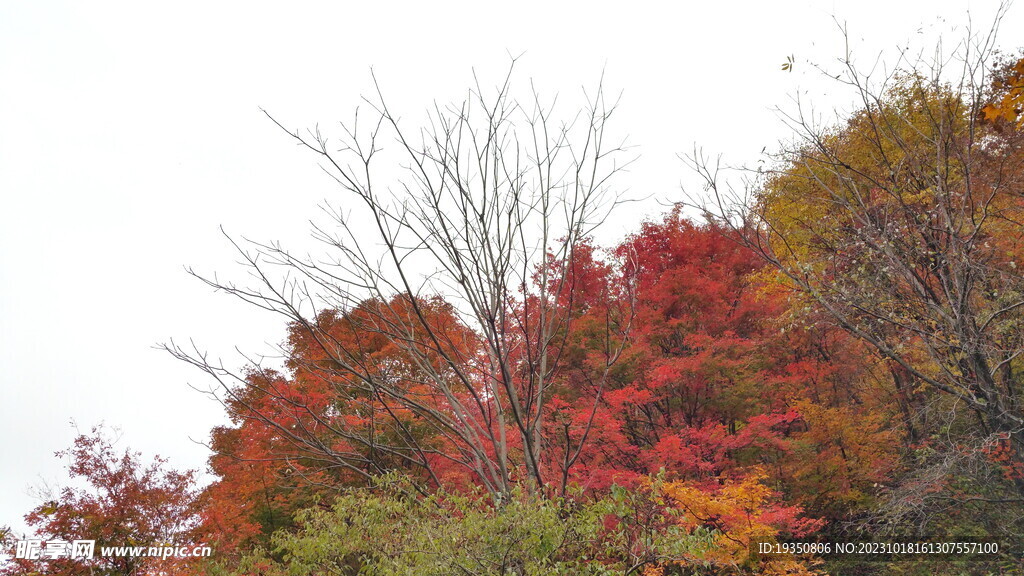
{"x": 129, "y": 132}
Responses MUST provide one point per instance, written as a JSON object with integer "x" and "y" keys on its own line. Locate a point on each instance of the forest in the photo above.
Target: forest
{"x": 827, "y": 348}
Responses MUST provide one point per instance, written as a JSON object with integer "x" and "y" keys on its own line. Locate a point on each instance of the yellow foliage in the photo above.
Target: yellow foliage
{"x": 1010, "y": 105}
{"x": 739, "y": 510}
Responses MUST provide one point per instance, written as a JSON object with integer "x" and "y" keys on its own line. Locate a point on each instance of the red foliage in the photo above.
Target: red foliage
{"x": 716, "y": 380}
{"x": 125, "y": 503}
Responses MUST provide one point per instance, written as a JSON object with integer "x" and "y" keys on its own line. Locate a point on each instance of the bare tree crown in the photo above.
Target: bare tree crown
{"x": 456, "y": 255}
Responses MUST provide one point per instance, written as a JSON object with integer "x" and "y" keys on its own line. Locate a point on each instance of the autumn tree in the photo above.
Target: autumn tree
{"x": 123, "y": 502}
{"x": 719, "y": 378}
{"x": 288, "y": 431}
{"x": 455, "y": 267}
{"x": 902, "y": 226}
{"x": 261, "y": 477}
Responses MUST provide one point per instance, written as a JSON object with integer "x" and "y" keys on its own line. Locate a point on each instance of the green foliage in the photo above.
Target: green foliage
{"x": 390, "y": 530}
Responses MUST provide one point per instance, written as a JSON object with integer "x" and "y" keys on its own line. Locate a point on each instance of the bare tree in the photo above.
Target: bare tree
{"x": 904, "y": 227}
{"x": 478, "y": 215}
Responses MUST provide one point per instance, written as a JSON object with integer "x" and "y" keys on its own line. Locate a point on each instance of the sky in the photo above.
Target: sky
{"x": 131, "y": 133}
